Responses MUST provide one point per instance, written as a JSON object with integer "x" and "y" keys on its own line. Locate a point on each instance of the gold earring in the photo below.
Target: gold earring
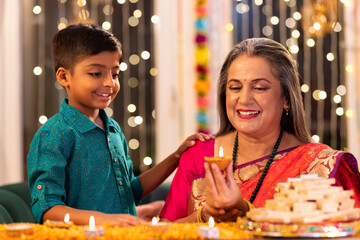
{"x": 287, "y": 109}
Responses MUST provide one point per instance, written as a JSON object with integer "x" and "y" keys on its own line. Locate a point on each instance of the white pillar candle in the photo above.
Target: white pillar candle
{"x": 209, "y": 232}
{"x": 92, "y": 230}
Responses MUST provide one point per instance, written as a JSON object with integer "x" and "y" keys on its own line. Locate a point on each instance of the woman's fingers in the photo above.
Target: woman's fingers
{"x": 210, "y": 187}
{"x": 220, "y": 183}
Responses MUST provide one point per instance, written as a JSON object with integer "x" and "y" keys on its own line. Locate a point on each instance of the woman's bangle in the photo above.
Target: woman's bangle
{"x": 249, "y": 204}
{"x": 199, "y": 214}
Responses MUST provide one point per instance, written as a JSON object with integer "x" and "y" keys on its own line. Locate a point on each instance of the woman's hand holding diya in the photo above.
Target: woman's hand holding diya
{"x": 224, "y": 201}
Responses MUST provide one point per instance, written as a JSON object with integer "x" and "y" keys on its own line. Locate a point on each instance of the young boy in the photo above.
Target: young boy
{"x": 78, "y": 161}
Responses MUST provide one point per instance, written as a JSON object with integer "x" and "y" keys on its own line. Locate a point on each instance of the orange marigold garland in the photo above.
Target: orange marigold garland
{"x": 202, "y": 55}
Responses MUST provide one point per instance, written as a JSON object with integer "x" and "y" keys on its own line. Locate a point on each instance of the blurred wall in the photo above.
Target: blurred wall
{"x": 11, "y": 147}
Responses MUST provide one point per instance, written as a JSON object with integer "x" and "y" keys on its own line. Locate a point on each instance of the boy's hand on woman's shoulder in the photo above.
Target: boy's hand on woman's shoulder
{"x": 190, "y": 141}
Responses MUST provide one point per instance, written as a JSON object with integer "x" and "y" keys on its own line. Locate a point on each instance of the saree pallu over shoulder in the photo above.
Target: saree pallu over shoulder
{"x": 309, "y": 158}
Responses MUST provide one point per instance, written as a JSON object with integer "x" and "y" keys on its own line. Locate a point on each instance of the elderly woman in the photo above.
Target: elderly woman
{"x": 262, "y": 127}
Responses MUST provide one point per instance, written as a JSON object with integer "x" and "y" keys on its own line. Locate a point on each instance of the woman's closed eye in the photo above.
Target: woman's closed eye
{"x": 261, "y": 88}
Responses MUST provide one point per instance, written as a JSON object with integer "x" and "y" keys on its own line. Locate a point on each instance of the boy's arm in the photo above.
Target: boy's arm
{"x": 153, "y": 177}
{"x": 81, "y": 217}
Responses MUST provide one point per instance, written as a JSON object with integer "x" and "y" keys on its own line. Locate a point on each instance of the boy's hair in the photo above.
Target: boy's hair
{"x": 75, "y": 42}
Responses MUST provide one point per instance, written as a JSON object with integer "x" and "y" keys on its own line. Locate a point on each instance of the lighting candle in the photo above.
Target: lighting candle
{"x": 60, "y": 224}
{"x": 92, "y": 230}
{"x": 220, "y": 160}
{"x": 210, "y": 232}
{"x": 158, "y": 225}
{"x": 16, "y": 230}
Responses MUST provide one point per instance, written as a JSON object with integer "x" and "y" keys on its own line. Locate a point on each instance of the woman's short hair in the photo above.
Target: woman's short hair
{"x": 284, "y": 69}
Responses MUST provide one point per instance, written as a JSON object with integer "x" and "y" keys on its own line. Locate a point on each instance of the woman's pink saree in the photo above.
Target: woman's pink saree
{"x": 187, "y": 191}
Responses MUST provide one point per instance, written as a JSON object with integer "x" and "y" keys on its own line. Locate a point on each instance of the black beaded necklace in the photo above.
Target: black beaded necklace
{"x": 266, "y": 168}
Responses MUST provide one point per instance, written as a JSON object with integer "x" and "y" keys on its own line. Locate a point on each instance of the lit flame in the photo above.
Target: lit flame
{"x": 154, "y": 220}
{"x": 67, "y": 218}
{"x": 221, "y": 151}
{"x": 92, "y": 223}
{"x": 211, "y": 222}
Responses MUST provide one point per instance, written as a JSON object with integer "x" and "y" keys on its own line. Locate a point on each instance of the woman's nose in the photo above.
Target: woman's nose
{"x": 245, "y": 96}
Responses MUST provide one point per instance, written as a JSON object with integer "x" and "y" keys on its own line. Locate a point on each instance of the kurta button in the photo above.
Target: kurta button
{"x": 120, "y": 182}
{"x": 108, "y": 139}
{"x": 115, "y": 160}
{"x": 39, "y": 187}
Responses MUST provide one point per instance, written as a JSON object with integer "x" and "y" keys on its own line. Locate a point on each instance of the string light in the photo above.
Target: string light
{"x": 349, "y": 68}
{"x": 339, "y": 111}
{"x": 349, "y": 113}
{"x": 147, "y": 161}
{"x": 295, "y": 34}
{"x": 316, "y": 138}
{"x": 133, "y": 82}
{"x": 290, "y": 23}
{"x": 337, "y": 99}
{"x": 330, "y": 57}
{"x": 121, "y": 1}
{"x": 131, "y": 121}
{"x": 37, "y": 70}
{"x": 134, "y": 59}
{"x": 316, "y": 95}
{"x": 37, "y": 9}
{"x": 341, "y": 90}
{"x": 106, "y": 25}
{"x": 123, "y": 66}
{"x": 294, "y": 49}
{"x": 131, "y": 108}
{"x": 133, "y": 21}
{"x": 145, "y": 55}
{"x": 155, "y": 19}
{"x": 43, "y": 119}
{"x": 305, "y": 88}
{"x": 310, "y": 42}
{"x": 108, "y": 10}
{"x": 154, "y": 72}
{"x": 229, "y": 27}
{"x": 81, "y": 3}
{"x": 267, "y": 31}
{"x": 137, "y": 13}
{"x": 322, "y": 95}
{"x": 242, "y": 8}
{"x": 134, "y": 144}
{"x": 274, "y": 20}
{"x": 138, "y": 120}
{"x": 297, "y": 16}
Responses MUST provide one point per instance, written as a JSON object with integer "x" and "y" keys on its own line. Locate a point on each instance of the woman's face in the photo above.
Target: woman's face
{"x": 254, "y": 99}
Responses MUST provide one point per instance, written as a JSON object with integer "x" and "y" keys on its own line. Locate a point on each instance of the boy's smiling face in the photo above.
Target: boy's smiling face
{"x": 94, "y": 82}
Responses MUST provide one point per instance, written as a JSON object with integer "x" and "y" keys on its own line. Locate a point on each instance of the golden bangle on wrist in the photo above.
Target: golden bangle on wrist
{"x": 199, "y": 215}
{"x": 249, "y": 204}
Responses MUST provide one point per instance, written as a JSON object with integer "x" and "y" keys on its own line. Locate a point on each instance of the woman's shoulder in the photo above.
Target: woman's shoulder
{"x": 322, "y": 150}
{"x": 202, "y": 147}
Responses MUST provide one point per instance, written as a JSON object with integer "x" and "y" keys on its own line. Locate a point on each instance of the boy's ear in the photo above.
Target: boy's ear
{"x": 62, "y": 76}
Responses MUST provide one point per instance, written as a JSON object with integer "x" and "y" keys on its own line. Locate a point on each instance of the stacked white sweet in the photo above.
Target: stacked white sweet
{"x": 308, "y": 199}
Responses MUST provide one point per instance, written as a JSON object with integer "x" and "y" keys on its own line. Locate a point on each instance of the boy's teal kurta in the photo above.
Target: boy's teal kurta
{"x": 74, "y": 162}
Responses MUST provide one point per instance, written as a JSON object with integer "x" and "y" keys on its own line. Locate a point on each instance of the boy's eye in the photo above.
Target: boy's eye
{"x": 115, "y": 75}
{"x": 95, "y": 74}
